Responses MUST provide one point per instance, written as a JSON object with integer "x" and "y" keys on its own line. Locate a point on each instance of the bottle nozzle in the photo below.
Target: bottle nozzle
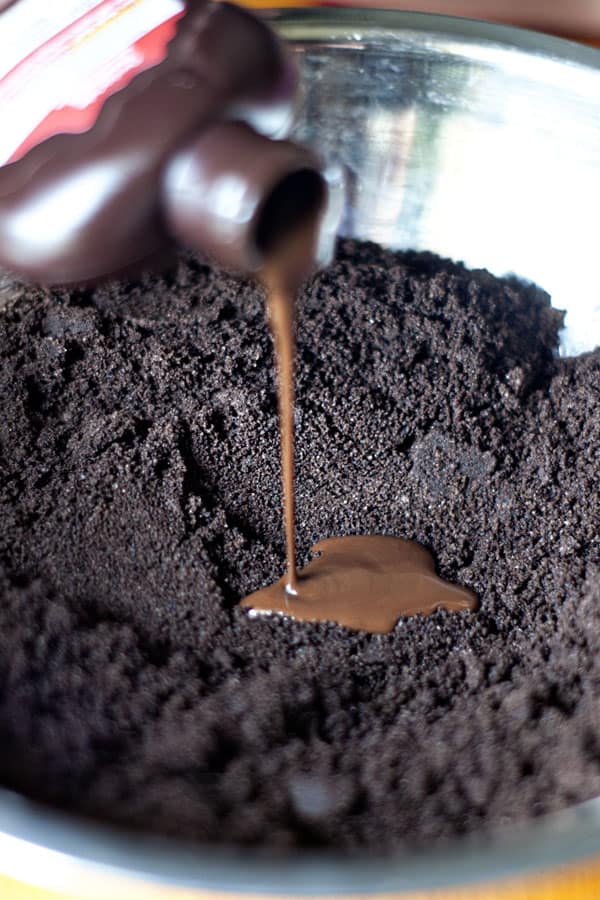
{"x": 233, "y": 193}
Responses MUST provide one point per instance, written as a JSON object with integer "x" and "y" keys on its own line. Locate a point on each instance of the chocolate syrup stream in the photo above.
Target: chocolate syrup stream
{"x": 361, "y": 581}
{"x": 282, "y": 276}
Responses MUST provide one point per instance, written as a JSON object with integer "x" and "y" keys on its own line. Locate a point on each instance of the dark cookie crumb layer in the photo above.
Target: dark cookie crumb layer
{"x": 140, "y": 499}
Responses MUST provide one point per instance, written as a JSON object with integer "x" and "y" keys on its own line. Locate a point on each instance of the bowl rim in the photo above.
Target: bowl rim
{"x": 349, "y": 22}
{"x": 39, "y": 844}
{"x": 52, "y": 849}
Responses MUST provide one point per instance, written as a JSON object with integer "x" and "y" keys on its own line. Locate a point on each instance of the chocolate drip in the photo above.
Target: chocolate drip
{"x": 362, "y": 581}
{"x": 287, "y": 265}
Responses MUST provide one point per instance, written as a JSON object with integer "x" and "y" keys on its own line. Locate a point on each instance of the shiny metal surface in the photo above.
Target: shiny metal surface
{"x": 476, "y": 141}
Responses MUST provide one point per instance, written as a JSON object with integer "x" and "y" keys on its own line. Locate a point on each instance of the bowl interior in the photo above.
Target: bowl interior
{"x": 481, "y": 143}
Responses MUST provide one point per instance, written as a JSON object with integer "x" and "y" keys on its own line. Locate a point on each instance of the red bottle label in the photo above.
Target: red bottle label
{"x": 58, "y": 66}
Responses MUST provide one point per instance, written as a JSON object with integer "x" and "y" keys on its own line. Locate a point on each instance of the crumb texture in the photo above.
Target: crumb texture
{"x": 140, "y": 500}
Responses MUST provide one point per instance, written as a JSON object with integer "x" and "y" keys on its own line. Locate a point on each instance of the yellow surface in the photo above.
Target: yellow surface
{"x": 579, "y": 883}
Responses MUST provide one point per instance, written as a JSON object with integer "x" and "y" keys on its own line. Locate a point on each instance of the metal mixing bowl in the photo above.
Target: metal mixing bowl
{"x": 477, "y": 141}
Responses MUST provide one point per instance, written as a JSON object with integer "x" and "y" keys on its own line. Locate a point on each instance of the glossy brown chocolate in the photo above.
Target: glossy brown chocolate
{"x": 288, "y": 263}
{"x": 365, "y": 582}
